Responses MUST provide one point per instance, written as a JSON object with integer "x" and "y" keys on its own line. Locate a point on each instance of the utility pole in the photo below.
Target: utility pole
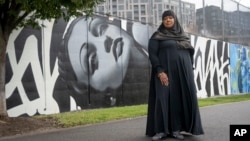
{"x": 180, "y": 10}
{"x": 222, "y": 20}
{"x": 239, "y": 23}
{"x": 204, "y": 17}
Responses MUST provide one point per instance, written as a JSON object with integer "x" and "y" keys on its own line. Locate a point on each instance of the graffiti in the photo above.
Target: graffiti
{"x": 103, "y": 62}
{"x": 240, "y": 69}
{"x": 85, "y": 63}
{"x": 96, "y": 59}
{"x": 27, "y": 86}
{"x": 211, "y": 66}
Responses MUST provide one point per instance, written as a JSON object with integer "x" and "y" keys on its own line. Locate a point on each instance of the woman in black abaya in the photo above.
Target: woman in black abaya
{"x": 172, "y": 105}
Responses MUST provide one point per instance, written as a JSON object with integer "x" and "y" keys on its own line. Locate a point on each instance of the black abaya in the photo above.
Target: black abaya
{"x": 173, "y": 107}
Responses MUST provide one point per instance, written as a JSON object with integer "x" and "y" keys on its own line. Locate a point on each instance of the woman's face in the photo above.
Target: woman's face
{"x": 168, "y": 21}
{"x": 99, "y": 53}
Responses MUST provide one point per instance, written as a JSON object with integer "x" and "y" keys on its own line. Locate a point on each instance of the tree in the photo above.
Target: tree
{"x": 21, "y": 13}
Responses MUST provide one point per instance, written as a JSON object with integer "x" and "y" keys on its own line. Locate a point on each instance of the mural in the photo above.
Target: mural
{"x": 103, "y": 62}
{"x": 84, "y": 63}
{"x": 240, "y": 69}
{"x": 211, "y": 63}
{"x": 29, "y": 81}
{"x": 96, "y": 61}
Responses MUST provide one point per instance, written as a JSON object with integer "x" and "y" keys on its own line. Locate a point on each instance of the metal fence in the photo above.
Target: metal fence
{"x": 225, "y": 20}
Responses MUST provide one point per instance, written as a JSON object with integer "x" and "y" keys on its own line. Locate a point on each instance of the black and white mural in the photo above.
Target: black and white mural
{"x": 95, "y": 62}
{"x": 83, "y": 63}
{"x": 211, "y": 66}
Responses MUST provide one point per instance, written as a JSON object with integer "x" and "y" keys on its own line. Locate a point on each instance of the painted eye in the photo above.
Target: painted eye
{"x": 118, "y": 48}
{"x": 102, "y": 29}
{"x": 108, "y": 43}
{"x": 92, "y": 59}
{"x": 93, "y": 63}
{"x": 89, "y": 58}
{"x": 98, "y": 30}
{"x": 83, "y": 57}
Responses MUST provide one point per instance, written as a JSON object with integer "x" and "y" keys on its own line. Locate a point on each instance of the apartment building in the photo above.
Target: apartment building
{"x": 149, "y": 11}
{"x": 226, "y": 25}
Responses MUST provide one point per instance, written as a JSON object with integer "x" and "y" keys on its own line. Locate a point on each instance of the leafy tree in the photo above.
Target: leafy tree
{"x": 21, "y": 13}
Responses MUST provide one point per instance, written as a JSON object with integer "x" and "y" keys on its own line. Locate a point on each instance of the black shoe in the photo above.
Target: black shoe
{"x": 177, "y": 135}
{"x": 159, "y": 136}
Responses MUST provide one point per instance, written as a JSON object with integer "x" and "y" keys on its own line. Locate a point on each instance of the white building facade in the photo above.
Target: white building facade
{"x": 149, "y": 11}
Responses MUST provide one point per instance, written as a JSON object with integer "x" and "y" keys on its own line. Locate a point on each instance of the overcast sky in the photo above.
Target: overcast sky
{"x": 228, "y": 4}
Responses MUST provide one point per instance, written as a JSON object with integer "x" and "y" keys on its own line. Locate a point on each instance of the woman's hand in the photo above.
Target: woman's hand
{"x": 163, "y": 78}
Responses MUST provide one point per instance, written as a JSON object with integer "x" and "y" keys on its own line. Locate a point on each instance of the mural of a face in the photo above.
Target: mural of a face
{"x": 101, "y": 59}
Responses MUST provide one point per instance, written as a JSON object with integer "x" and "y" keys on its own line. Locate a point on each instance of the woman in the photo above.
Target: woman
{"x": 172, "y": 105}
{"x": 95, "y": 61}
{"x": 105, "y": 51}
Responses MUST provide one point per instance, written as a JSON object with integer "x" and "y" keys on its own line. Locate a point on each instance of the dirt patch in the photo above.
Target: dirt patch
{"x": 21, "y": 125}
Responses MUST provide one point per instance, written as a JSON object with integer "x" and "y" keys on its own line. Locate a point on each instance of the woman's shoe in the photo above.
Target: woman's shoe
{"x": 159, "y": 136}
{"x": 177, "y": 135}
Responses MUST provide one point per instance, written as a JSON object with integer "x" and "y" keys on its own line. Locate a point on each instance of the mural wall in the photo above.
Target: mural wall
{"x": 240, "y": 68}
{"x": 103, "y": 62}
{"x": 211, "y": 67}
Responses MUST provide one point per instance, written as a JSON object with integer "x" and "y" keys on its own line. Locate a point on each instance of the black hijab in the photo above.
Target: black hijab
{"x": 174, "y": 33}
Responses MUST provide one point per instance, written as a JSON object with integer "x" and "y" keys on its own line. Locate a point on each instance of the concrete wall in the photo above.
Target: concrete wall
{"x": 103, "y": 62}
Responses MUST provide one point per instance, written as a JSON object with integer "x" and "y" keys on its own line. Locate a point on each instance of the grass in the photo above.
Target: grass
{"x": 85, "y": 117}
{"x": 93, "y": 116}
{"x": 223, "y": 99}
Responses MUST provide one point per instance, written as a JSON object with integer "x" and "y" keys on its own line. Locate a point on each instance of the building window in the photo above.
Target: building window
{"x": 143, "y": 12}
{"x": 136, "y": 13}
{"x": 136, "y": 7}
{"x": 101, "y": 8}
{"x": 143, "y": 7}
{"x": 160, "y": 7}
{"x": 121, "y": 7}
{"x": 120, "y": 1}
{"x": 114, "y": 7}
{"x": 143, "y": 19}
{"x": 129, "y": 15}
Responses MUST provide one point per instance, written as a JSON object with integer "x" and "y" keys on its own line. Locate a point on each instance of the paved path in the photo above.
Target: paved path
{"x": 215, "y": 119}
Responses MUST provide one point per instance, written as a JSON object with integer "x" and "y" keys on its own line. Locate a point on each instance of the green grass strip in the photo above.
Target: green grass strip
{"x": 93, "y": 116}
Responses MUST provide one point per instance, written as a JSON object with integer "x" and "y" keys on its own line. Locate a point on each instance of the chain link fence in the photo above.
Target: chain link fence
{"x": 225, "y": 20}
